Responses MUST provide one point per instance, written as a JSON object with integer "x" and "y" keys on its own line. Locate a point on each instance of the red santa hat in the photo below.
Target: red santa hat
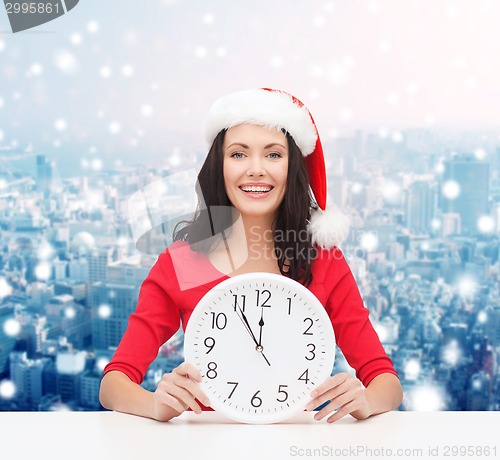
{"x": 277, "y": 109}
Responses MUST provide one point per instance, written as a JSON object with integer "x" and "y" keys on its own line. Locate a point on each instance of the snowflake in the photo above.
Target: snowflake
{"x": 105, "y": 71}
{"x": 427, "y": 398}
{"x": 96, "y": 164}
{"x": 451, "y": 189}
{"x": 147, "y": 110}
{"x": 12, "y": 327}
{"x": 104, "y": 311}
{"x": 452, "y": 353}
{"x": 412, "y": 369}
{"x": 482, "y": 317}
{"x": 35, "y": 70}
{"x": 208, "y": 19}
{"x": 480, "y": 153}
{"x": 60, "y": 124}
{"x": 69, "y": 312}
{"x": 7, "y": 389}
{"x": 76, "y": 39}
{"x": 200, "y": 52}
{"x": 127, "y": 70}
{"x": 93, "y": 27}
{"x": 466, "y": 286}
{"x": 66, "y": 62}
{"x": 486, "y": 224}
{"x": 369, "y": 241}
{"x": 101, "y": 363}
{"x": 276, "y": 61}
{"x": 115, "y": 127}
{"x": 390, "y": 191}
{"x": 43, "y": 271}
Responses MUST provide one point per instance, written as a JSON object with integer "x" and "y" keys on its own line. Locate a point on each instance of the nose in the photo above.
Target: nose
{"x": 256, "y": 166}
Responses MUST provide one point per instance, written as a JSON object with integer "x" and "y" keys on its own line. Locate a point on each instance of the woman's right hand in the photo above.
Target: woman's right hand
{"x": 179, "y": 390}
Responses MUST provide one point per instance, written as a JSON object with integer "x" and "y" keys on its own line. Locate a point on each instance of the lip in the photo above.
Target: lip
{"x": 256, "y": 196}
{"x": 256, "y": 184}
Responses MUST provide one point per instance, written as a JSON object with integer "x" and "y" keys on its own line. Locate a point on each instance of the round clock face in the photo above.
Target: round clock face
{"x": 262, "y": 342}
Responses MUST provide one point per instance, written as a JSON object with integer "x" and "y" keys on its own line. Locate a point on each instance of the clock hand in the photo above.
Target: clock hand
{"x": 261, "y": 323}
{"x": 244, "y": 319}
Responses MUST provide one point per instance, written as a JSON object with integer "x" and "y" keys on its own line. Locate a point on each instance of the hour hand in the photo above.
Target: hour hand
{"x": 244, "y": 319}
{"x": 261, "y": 325}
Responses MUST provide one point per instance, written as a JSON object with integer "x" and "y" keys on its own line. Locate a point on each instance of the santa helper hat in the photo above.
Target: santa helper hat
{"x": 278, "y": 109}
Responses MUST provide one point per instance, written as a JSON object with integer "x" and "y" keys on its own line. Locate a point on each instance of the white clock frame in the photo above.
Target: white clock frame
{"x": 297, "y": 353}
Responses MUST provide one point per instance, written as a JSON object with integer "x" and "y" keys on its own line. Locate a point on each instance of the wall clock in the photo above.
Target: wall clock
{"x": 262, "y": 342}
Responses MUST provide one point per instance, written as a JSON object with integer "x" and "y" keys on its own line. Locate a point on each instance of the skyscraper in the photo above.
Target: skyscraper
{"x": 7, "y": 342}
{"x": 421, "y": 206}
{"x": 44, "y": 174}
{"x": 472, "y": 177}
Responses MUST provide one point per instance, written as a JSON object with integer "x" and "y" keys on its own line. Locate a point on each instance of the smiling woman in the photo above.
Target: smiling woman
{"x": 255, "y": 170}
{"x": 264, "y": 175}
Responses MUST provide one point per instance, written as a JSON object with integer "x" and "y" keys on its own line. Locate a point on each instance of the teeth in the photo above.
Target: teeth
{"x": 256, "y": 189}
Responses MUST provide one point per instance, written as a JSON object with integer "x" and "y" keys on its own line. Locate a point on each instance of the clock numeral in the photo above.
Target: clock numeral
{"x": 232, "y": 391}
{"x": 289, "y": 304}
{"x": 264, "y": 292}
{"x": 306, "y": 332}
{"x": 305, "y": 376}
{"x": 240, "y": 304}
{"x": 209, "y": 343}
{"x": 280, "y": 390}
{"x": 219, "y": 320}
{"x": 311, "y": 351}
{"x": 256, "y": 401}
{"x": 212, "y": 373}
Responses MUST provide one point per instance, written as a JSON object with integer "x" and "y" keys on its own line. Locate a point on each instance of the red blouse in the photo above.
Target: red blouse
{"x": 181, "y": 277}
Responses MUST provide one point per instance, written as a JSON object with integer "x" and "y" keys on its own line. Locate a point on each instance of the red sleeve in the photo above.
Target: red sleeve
{"x": 354, "y": 332}
{"x": 154, "y": 321}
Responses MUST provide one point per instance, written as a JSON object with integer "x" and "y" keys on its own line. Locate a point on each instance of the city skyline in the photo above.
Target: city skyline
{"x": 71, "y": 272}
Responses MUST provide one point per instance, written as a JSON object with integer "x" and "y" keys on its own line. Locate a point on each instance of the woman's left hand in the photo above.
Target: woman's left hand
{"x": 345, "y": 393}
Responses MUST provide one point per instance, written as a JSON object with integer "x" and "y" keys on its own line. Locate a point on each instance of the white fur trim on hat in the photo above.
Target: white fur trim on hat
{"x": 272, "y": 109}
{"x": 328, "y": 229}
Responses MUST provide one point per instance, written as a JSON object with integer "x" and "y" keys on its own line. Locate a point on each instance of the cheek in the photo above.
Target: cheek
{"x": 281, "y": 175}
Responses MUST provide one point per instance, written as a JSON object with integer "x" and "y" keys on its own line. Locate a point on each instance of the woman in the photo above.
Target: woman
{"x": 263, "y": 186}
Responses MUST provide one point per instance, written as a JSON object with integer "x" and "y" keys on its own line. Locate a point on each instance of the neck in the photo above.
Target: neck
{"x": 255, "y": 231}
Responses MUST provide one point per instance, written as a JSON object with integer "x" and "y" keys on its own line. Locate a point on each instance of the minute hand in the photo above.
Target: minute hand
{"x": 244, "y": 319}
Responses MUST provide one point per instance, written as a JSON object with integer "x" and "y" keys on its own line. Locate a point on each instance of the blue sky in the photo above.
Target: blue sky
{"x": 127, "y": 77}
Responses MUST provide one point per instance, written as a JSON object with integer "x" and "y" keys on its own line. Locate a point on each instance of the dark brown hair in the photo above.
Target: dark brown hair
{"x": 292, "y": 243}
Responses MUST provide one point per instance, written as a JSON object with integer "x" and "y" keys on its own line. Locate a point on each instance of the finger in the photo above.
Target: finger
{"x": 338, "y": 387}
{"x": 184, "y": 397}
{"x": 187, "y": 369}
{"x": 345, "y": 400}
{"x": 329, "y": 383}
{"x": 195, "y": 390}
{"x": 329, "y": 395}
{"x": 347, "y": 409}
{"x": 170, "y": 401}
{"x": 170, "y": 382}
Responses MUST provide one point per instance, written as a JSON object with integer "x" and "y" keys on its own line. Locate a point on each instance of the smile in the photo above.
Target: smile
{"x": 255, "y": 189}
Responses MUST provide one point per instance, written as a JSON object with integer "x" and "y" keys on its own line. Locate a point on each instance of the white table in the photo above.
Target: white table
{"x": 112, "y": 435}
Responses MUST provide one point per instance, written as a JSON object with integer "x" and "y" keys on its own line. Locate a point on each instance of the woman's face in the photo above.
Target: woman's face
{"x": 255, "y": 169}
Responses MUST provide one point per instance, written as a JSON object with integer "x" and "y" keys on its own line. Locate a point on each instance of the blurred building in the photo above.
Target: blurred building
{"x": 472, "y": 177}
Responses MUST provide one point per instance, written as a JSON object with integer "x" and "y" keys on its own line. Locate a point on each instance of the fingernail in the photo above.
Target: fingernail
{"x": 317, "y": 416}
{"x": 206, "y": 402}
{"x": 309, "y": 407}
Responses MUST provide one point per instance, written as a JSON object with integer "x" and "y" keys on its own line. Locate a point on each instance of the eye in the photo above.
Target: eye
{"x": 236, "y": 155}
{"x": 274, "y": 155}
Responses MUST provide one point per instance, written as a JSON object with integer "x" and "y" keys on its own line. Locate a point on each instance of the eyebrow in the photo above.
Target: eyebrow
{"x": 266, "y": 147}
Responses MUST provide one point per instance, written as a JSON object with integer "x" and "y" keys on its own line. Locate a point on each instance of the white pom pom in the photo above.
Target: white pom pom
{"x": 328, "y": 229}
